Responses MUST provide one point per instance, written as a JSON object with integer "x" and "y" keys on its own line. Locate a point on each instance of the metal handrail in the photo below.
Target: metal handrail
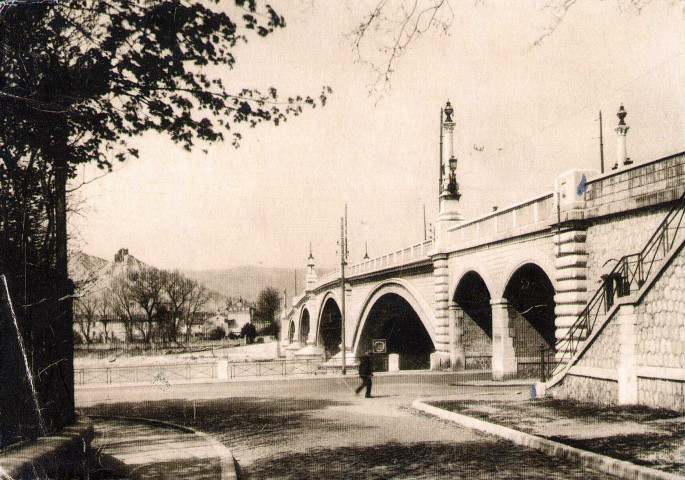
{"x": 628, "y": 275}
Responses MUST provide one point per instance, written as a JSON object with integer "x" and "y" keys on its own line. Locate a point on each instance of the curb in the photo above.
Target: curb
{"x": 619, "y": 468}
{"x": 227, "y": 461}
{"x": 493, "y": 383}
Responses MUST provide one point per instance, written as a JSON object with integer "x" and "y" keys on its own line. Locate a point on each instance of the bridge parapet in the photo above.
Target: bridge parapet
{"x": 406, "y": 256}
{"x": 518, "y": 219}
{"x": 401, "y": 257}
{"x": 644, "y": 185}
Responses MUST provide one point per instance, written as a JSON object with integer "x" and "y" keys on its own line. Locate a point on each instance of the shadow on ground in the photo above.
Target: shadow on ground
{"x": 422, "y": 461}
{"x": 658, "y": 443}
{"x": 282, "y": 439}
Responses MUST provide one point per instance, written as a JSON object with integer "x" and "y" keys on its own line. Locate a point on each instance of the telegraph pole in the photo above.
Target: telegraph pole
{"x": 425, "y": 235}
{"x": 343, "y": 250}
{"x": 601, "y": 144}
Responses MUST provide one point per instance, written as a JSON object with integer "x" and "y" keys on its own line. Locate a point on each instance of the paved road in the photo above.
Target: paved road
{"x": 318, "y": 429}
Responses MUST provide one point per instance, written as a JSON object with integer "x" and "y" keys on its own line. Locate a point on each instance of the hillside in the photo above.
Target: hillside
{"x": 240, "y": 282}
{"x": 247, "y": 281}
{"x": 94, "y": 274}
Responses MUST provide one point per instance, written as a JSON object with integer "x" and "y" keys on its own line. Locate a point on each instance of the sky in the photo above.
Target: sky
{"x": 532, "y": 108}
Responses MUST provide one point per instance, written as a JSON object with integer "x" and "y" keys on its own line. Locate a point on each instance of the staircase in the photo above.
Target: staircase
{"x": 627, "y": 277}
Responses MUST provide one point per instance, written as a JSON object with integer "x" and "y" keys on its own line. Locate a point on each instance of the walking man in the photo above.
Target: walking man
{"x": 365, "y": 373}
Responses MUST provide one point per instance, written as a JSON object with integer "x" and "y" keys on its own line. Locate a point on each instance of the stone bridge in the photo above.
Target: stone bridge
{"x": 493, "y": 292}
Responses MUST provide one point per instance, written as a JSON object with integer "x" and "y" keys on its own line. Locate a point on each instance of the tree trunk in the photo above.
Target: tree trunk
{"x": 61, "y": 255}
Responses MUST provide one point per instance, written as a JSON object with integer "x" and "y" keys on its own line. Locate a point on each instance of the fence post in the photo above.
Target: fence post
{"x": 109, "y": 375}
{"x": 259, "y": 369}
{"x": 543, "y": 373}
{"x": 187, "y": 371}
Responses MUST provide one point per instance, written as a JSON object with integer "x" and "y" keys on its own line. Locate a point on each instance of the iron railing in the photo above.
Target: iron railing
{"x": 165, "y": 374}
{"x": 152, "y": 374}
{"x": 628, "y": 275}
{"x": 274, "y": 368}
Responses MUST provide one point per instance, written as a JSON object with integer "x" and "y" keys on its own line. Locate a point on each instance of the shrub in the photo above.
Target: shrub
{"x": 217, "y": 333}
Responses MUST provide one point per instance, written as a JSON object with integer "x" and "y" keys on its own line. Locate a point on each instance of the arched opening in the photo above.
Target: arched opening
{"x": 393, "y": 319}
{"x": 473, "y": 299}
{"x": 330, "y": 328}
{"x": 291, "y": 331}
{"x": 530, "y": 294}
{"x": 304, "y": 326}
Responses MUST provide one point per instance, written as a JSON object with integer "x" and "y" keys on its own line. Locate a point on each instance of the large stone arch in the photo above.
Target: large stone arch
{"x": 406, "y": 291}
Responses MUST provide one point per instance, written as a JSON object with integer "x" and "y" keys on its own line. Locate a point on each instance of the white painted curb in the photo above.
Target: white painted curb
{"x": 619, "y": 468}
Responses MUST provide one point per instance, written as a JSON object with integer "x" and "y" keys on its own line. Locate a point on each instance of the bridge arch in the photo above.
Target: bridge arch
{"x": 329, "y": 325}
{"x": 529, "y": 293}
{"x": 544, "y": 264}
{"x": 304, "y": 325}
{"x": 397, "y": 312}
{"x": 480, "y": 270}
{"x": 291, "y": 331}
{"x": 472, "y": 298}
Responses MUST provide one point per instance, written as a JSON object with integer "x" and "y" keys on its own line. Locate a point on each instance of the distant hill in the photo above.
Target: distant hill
{"x": 93, "y": 274}
{"x": 240, "y": 282}
{"x": 247, "y": 281}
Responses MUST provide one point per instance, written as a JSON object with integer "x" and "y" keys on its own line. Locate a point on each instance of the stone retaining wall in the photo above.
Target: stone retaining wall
{"x": 610, "y": 238}
{"x": 587, "y": 389}
{"x": 660, "y": 393}
{"x": 661, "y": 339}
{"x": 661, "y": 320}
{"x": 650, "y": 361}
{"x": 604, "y": 351}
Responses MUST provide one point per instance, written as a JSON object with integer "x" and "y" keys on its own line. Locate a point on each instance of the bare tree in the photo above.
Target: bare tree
{"x": 389, "y": 29}
{"x": 147, "y": 287}
{"x": 123, "y": 305}
{"x": 198, "y": 298}
{"x": 178, "y": 290}
{"x": 104, "y": 310}
{"x": 85, "y": 308}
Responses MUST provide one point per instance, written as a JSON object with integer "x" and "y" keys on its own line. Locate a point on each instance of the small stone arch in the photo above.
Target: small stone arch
{"x": 529, "y": 293}
{"x": 291, "y": 331}
{"x": 329, "y": 324}
{"x": 482, "y": 273}
{"x": 547, "y": 266}
{"x": 472, "y": 298}
{"x": 305, "y": 325}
